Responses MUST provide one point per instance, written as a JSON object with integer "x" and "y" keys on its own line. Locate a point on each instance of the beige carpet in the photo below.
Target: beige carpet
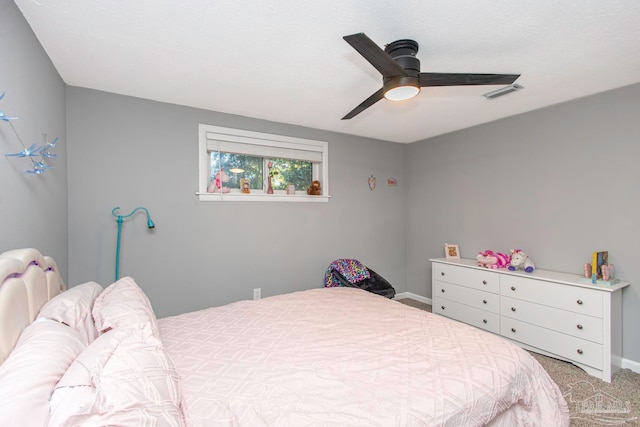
{"x": 592, "y": 402}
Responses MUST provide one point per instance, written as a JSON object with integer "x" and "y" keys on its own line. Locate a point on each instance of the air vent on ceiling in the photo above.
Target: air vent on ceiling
{"x": 503, "y": 91}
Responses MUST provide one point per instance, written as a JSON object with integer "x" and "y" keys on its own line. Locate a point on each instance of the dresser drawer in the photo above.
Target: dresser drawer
{"x": 483, "y": 280}
{"x": 572, "y": 298}
{"x": 473, "y": 316}
{"x": 575, "y": 324}
{"x": 471, "y": 297}
{"x": 569, "y": 347}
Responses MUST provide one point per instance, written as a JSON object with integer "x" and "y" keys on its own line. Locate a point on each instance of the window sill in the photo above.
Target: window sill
{"x": 257, "y": 197}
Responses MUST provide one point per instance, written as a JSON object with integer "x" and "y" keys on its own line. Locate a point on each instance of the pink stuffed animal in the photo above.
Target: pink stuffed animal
{"x": 490, "y": 259}
{"x": 217, "y": 183}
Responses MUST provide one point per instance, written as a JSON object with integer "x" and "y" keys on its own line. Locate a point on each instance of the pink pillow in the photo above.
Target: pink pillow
{"x": 73, "y": 307}
{"x": 123, "y": 305}
{"x": 67, "y": 402}
{"x": 75, "y": 393}
{"x": 27, "y": 378}
{"x": 85, "y": 366}
{"x": 135, "y": 384}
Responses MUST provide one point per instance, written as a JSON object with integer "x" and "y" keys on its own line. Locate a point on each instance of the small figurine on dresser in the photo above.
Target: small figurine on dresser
{"x": 599, "y": 271}
{"x": 608, "y": 273}
{"x": 520, "y": 261}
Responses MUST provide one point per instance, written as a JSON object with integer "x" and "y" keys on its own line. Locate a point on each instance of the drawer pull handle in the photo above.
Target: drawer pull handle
{"x": 484, "y": 301}
{"x": 484, "y": 320}
{"x": 442, "y": 274}
{"x": 484, "y": 282}
{"x": 579, "y": 302}
{"x": 513, "y": 288}
{"x": 442, "y": 307}
{"x": 442, "y": 290}
{"x": 513, "y": 330}
{"x": 513, "y": 309}
{"x": 580, "y": 351}
{"x": 579, "y": 326}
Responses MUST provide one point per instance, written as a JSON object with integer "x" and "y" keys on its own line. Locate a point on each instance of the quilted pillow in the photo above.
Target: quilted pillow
{"x": 123, "y": 305}
{"x": 134, "y": 383}
{"x": 73, "y": 307}
{"x": 42, "y": 354}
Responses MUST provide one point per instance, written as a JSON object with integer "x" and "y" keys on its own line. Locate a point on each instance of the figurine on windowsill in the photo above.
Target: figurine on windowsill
{"x": 272, "y": 174}
{"x": 217, "y": 184}
{"x": 314, "y": 189}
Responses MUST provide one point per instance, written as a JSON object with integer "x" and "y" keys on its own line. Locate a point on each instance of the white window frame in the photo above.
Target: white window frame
{"x": 217, "y": 138}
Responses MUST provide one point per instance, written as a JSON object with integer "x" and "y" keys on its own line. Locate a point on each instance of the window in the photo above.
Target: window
{"x": 255, "y": 160}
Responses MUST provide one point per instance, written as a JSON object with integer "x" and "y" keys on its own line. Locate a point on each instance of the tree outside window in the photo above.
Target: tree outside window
{"x": 239, "y": 166}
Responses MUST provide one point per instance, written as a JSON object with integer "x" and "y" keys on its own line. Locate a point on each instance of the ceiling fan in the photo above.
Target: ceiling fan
{"x": 401, "y": 76}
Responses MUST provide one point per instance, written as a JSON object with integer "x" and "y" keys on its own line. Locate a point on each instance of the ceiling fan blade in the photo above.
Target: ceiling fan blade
{"x": 462, "y": 79}
{"x": 377, "y": 57}
{"x": 365, "y": 104}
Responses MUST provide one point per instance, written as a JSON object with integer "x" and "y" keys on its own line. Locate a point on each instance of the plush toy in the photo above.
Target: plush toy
{"x": 490, "y": 259}
{"x": 314, "y": 189}
{"x": 217, "y": 183}
{"x": 520, "y": 261}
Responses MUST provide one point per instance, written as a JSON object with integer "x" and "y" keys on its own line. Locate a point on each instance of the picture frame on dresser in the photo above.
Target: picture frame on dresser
{"x": 451, "y": 251}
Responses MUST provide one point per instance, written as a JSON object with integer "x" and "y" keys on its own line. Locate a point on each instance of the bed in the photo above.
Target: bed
{"x": 94, "y": 355}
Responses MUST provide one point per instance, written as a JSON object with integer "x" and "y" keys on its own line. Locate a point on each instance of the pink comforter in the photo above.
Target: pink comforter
{"x": 346, "y": 357}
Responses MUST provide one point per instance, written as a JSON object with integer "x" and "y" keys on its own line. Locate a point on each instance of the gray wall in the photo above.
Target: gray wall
{"x": 558, "y": 183}
{"x": 129, "y": 152}
{"x": 33, "y": 209}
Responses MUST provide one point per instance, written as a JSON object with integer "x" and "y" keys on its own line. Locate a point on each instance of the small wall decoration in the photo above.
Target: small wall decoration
{"x": 451, "y": 251}
{"x": 44, "y": 152}
{"x": 392, "y": 182}
{"x": 245, "y": 186}
{"x": 372, "y": 182}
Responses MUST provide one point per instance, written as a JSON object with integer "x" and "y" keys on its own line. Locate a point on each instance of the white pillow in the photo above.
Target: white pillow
{"x": 73, "y": 307}
{"x": 134, "y": 383}
{"x": 42, "y": 354}
{"x": 123, "y": 305}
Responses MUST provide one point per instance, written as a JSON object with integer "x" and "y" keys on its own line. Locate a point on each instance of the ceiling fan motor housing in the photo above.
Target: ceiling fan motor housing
{"x": 404, "y": 53}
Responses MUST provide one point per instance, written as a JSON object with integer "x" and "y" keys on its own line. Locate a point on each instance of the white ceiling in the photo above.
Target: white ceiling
{"x": 286, "y": 61}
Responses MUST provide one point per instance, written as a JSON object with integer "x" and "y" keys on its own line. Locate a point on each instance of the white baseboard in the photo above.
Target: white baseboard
{"x": 413, "y": 296}
{"x": 631, "y": 364}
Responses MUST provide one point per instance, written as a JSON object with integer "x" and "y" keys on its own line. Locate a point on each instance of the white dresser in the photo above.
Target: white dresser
{"x": 551, "y": 313}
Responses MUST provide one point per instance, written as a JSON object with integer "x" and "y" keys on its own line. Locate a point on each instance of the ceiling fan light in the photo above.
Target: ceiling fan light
{"x": 401, "y": 93}
{"x": 399, "y": 88}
